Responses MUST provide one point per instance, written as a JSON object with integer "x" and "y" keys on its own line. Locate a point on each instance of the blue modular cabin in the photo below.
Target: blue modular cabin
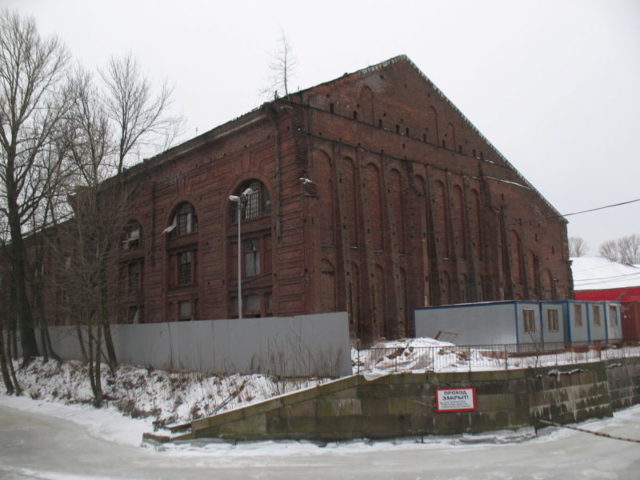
{"x": 576, "y": 325}
{"x": 553, "y": 325}
{"x": 613, "y": 321}
{"x": 550, "y": 324}
{"x": 488, "y": 323}
{"x": 596, "y": 312}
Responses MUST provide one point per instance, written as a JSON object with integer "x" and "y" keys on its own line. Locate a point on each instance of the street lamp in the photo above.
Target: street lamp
{"x": 240, "y": 200}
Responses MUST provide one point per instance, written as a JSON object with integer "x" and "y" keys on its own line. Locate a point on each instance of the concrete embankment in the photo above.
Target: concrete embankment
{"x": 405, "y": 404}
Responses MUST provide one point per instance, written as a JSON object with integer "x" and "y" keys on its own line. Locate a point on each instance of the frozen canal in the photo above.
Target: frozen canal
{"x": 37, "y": 446}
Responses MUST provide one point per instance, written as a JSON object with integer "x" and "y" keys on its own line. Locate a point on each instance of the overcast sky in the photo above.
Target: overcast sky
{"x": 554, "y": 85}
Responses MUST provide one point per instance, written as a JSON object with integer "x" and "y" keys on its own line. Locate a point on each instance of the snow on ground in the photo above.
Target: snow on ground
{"x": 596, "y": 273}
{"x": 164, "y": 398}
{"x": 420, "y": 355}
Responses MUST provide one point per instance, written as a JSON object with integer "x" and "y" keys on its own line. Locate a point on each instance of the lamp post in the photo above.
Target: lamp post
{"x": 240, "y": 200}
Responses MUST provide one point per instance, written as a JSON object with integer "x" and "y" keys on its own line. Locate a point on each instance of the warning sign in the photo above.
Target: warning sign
{"x": 455, "y": 399}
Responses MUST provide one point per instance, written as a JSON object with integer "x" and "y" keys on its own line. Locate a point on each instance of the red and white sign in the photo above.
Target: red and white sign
{"x": 455, "y": 399}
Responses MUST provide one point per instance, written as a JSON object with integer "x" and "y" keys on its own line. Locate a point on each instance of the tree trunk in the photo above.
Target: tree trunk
{"x": 83, "y": 350}
{"x": 3, "y": 365}
{"x": 14, "y": 379}
{"x": 104, "y": 316}
{"x": 97, "y": 393}
{"x": 49, "y": 346}
{"x": 43, "y": 343}
{"x": 19, "y": 277}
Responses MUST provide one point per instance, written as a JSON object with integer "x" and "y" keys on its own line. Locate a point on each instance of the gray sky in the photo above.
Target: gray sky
{"x": 553, "y": 84}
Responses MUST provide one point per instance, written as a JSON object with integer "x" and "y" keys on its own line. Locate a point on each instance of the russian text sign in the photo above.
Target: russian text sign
{"x": 455, "y": 399}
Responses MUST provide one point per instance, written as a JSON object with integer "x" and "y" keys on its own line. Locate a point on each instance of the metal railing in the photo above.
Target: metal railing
{"x": 457, "y": 358}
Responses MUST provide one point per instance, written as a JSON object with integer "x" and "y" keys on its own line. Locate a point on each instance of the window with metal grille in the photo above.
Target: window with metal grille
{"x": 185, "y": 268}
{"x": 185, "y": 221}
{"x": 255, "y": 204}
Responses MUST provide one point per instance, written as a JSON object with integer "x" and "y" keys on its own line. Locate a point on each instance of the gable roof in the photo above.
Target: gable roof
{"x": 404, "y": 59}
{"x": 258, "y": 114}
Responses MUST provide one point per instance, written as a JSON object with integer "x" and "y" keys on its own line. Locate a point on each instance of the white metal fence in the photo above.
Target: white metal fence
{"x": 482, "y": 357}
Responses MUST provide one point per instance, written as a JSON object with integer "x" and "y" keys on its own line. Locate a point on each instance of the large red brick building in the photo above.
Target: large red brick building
{"x": 371, "y": 193}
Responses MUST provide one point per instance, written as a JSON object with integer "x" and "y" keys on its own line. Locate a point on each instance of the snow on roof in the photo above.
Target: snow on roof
{"x": 598, "y": 273}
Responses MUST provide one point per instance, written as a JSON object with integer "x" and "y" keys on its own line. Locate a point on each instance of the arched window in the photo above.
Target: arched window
{"x": 255, "y": 201}
{"x": 132, "y": 236}
{"x": 184, "y": 221}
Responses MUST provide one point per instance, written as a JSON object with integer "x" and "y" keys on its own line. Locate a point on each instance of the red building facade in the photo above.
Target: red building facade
{"x": 371, "y": 193}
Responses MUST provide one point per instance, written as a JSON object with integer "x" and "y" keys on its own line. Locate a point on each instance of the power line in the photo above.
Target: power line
{"x": 602, "y": 208}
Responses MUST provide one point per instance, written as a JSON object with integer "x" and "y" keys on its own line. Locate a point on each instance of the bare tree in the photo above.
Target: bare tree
{"x": 138, "y": 116}
{"x": 623, "y": 250}
{"x": 33, "y": 102}
{"x": 629, "y": 249}
{"x": 609, "y": 250}
{"x": 281, "y": 68}
{"x": 577, "y": 247}
{"x": 104, "y": 127}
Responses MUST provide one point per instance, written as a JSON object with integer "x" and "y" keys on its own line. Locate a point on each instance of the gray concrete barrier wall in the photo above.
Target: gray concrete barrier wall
{"x": 308, "y": 345}
{"x": 404, "y": 404}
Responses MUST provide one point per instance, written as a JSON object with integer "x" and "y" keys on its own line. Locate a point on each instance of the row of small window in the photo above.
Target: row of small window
{"x": 553, "y": 324}
{"x": 182, "y": 267}
{"x": 256, "y": 203}
{"x": 253, "y": 305}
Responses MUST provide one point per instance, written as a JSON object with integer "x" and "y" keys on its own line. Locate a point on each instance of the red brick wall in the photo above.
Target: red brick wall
{"x": 408, "y": 206}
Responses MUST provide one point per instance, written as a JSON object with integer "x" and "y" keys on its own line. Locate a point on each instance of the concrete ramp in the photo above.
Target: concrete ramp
{"x": 404, "y": 405}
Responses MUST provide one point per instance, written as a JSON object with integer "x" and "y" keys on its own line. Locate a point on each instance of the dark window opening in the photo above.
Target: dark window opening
{"x": 254, "y": 204}
{"x": 134, "y": 314}
{"x": 134, "y": 277}
{"x": 252, "y": 257}
{"x": 185, "y": 221}
{"x": 185, "y": 268}
{"x": 331, "y": 108}
{"x": 132, "y": 236}
{"x": 355, "y": 114}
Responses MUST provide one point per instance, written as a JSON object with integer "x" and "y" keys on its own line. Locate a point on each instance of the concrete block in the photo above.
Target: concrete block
{"x": 302, "y": 409}
{"x": 374, "y": 407}
{"x": 255, "y": 425}
{"x": 407, "y": 406}
{"x": 327, "y": 407}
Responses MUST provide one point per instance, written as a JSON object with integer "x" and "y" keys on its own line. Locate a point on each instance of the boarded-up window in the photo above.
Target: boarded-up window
{"x": 613, "y": 316}
{"x": 552, "y": 321}
{"x": 252, "y": 257}
{"x": 597, "y": 316}
{"x": 577, "y": 316}
{"x": 529, "y": 320}
{"x": 185, "y": 310}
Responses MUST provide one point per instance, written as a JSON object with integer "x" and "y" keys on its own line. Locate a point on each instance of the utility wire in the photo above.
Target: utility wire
{"x": 602, "y": 208}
